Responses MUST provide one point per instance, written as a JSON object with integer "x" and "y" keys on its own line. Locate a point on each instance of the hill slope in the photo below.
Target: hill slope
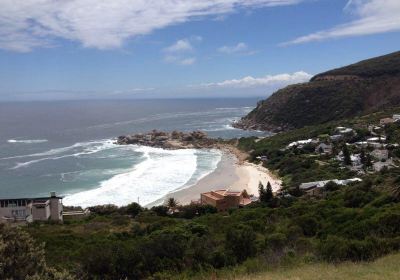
{"x": 360, "y": 88}
{"x": 384, "y": 268}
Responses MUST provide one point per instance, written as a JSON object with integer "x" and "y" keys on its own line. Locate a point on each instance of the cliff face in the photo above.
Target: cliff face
{"x": 360, "y": 88}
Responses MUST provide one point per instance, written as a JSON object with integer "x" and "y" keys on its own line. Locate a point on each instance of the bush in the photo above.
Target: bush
{"x": 21, "y": 258}
{"x": 240, "y": 240}
{"x": 336, "y": 249}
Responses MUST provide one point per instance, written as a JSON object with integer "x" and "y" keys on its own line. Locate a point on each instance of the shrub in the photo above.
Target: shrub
{"x": 241, "y": 241}
{"x": 21, "y": 258}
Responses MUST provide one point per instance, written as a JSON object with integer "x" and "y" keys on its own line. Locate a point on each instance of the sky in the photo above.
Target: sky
{"x": 122, "y": 49}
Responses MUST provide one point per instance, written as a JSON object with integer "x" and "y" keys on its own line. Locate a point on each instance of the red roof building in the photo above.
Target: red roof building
{"x": 224, "y": 199}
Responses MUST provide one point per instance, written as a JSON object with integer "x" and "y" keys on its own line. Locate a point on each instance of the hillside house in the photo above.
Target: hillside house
{"x": 336, "y": 137}
{"x": 386, "y": 121}
{"x": 324, "y": 149}
{"x": 344, "y": 130}
{"x": 224, "y": 199}
{"x": 315, "y": 188}
{"x": 376, "y": 139}
{"x": 31, "y": 209}
{"x": 380, "y": 154}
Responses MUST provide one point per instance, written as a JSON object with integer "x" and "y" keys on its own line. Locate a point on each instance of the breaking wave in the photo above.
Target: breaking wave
{"x": 159, "y": 173}
{"x": 76, "y": 150}
{"x": 34, "y": 141}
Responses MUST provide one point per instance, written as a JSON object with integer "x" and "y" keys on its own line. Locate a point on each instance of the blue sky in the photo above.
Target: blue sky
{"x": 84, "y": 49}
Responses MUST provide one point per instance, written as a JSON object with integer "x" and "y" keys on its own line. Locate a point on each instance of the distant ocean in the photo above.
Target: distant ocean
{"x": 68, "y": 147}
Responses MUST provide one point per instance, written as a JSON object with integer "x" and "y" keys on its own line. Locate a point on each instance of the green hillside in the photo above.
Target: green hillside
{"x": 361, "y": 88}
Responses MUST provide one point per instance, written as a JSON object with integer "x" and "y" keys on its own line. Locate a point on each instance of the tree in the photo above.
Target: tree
{"x": 268, "y": 192}
{"x": 363, "y": 158}
{"x": 261, "y": 191}
{"x": 346, "y": 155}
{"x": 133, "y": 209}
{"x": 21, "y": 258}
{"x": 368, "y": 161}
{"x": 265, "y": 194}
{"x": 171, "y": 202}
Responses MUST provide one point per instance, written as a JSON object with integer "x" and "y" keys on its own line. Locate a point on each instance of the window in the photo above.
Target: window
{"x": 18, "y": 213}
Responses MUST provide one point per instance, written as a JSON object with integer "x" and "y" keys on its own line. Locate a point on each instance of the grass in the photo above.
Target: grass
{"x": 386, "y": 268}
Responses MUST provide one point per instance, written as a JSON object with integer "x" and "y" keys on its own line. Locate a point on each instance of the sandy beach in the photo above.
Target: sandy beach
{"x": 233, "y": 173}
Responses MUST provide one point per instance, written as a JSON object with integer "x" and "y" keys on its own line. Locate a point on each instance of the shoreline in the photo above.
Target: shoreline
{"x": 233, "y": 172}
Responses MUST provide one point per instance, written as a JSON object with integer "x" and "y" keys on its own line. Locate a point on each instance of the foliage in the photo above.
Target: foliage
{"x": 321, "y": 101}
{"x": 21, "y": 258}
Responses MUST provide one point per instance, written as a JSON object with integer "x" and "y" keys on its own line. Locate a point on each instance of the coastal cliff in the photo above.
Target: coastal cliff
{"x": 360, "y": 88}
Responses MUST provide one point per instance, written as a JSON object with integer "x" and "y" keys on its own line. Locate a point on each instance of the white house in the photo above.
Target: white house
{"x": 380, "y": 154}
{"x": 314, "y": 187}
{"x": 31, "y": 209}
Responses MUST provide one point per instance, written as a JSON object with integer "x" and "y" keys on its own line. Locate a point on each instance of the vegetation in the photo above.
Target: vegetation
{"x": 322, "y": 101}
{"x": 355, "y": 223}
{"x": 379, "y": 66}
{"x": 21, "y": 258}
{"x": 384, "y": 268}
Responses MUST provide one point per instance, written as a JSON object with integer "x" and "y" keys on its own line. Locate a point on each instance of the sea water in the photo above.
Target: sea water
{"x": 69, "y": 147}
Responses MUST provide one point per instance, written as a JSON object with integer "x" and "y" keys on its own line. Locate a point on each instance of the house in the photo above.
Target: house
{"x": 31, "y": 209}
{"x": 379, "y": 165}
{"x": 224, "y": 199}
{"x": 262, "y": 158}
{"x": 386, "y": 121}
{"x": 376, "y": 139}
{"x": 336, "y": 137}
{"x": 324, "y": 149}
{"x": 314, "y": 188}
{"x": 396, "y": 117}
{"x": 380, "y": 154}
{"x": 301, "y": 143}
{"x": 344, "y": 130}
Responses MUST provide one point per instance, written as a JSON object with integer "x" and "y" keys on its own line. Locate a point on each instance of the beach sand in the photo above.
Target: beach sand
{"x": 233, "y": 173}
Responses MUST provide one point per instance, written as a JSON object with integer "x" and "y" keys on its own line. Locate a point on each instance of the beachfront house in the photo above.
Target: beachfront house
{"x": 224, "y": 199}
{"x": 31, "y": 209}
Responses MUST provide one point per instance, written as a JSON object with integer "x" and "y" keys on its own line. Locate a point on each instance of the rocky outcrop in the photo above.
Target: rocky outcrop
{"x": 169, "y": 140}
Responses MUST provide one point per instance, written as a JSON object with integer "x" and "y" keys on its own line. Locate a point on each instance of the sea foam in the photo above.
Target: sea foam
{"x": 159, "y": 172}
{"x": 33, "y": 141}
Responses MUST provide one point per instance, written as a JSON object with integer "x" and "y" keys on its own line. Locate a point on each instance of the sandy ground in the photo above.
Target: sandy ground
{"x": 231, "y": 173}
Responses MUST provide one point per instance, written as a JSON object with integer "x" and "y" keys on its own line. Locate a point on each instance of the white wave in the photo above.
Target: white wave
{"x": 27, "y": 141}
{"x": 62, "y": 150}
{"x": 161, "y": 172}
{"x": 87, "y": 148}
{"x": 216, "y": 158}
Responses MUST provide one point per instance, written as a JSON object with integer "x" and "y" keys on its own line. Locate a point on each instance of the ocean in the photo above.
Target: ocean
{"x": 68, "y": 147}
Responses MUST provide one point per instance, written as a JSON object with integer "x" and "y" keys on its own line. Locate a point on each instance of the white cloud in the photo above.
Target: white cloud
{"x": 266, "y": 81}
{"x": 188, "y": 61}
{"x": 373, "y": 17}
{"x": 238, "y": 48}
{"x": 178, "y": 52}
{"x": 180, "y": 46}
{"x": 29, "y": 24}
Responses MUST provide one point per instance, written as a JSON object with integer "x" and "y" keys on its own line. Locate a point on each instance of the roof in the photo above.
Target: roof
{"x": 320, "y": 184}
{"x": 220, "y": 194}
{"x": 31, "y": 198}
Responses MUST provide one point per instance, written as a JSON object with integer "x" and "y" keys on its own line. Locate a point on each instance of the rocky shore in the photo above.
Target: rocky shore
{"x": 170, "y": 140}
